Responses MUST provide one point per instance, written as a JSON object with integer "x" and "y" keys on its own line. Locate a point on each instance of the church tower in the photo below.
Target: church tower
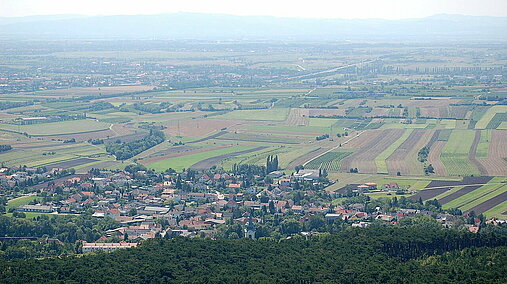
{"x": 250, "y": 229}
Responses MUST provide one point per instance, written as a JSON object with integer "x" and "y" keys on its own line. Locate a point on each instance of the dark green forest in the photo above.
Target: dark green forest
{"x": 372, "y": 255}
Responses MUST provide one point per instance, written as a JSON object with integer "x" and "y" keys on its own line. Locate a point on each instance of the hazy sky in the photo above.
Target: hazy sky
{"x": 389, "y": 9}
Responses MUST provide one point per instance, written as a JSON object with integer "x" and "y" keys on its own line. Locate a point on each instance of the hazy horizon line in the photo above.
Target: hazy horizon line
{"x": 256, "y": 15}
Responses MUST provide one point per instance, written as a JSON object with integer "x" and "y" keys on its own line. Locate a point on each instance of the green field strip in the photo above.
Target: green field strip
{"x": 288, "y": 157}
{"x": 497, "y": 211}
{"x": 380, "y": 160}
{"x": 454, "y": 155}
{"x": 488, "y": 116}
{"x": 444, "y": 135}
{"x": 483, "y": 146}
{"x": 58, "y": 128}
{"x": 183, "y": 162}
{"x": 486, "y": 197}
{"x": 452, "y": 190}
{"x": 447, "y": 124}
{"x": 475, "y": 194}
{"x": 322, "y": 122}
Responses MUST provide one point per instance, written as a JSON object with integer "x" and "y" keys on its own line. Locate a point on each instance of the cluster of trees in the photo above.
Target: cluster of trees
{"x": 153, "y": 108}
{"x": 126, "y": 150}
{"x": 422, "y": 155}
{"x": 429, "y": 169}
{"x": 5, "y": 148}
{"x": 322, "y": 137}
{"x": 96, "y": 141}
{"x": 271, "y": 163}
{"x": 373, "y": 255}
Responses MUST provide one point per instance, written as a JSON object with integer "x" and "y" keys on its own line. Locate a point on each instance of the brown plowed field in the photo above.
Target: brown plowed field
{"x": 473, "y": 150}
{"x": 298, "y": 117}
{"x": 459, "y": 112}
{"x": 197, "y": 127}
{"x": 430, "y": 112}
{"x": 378, "y": 111}
{"x": 364, "y": 159}
{"x": 431, "y": 103}
{"x": 434, "y": 158}
{"x": 486, "y": 205}
{"x": 495, "y": 164}
{"x": 403, "y": 159}
{"x": 365, "y": 138}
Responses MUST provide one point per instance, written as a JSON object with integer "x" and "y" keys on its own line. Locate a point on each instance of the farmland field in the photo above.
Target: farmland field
{"x": 329, "y": 161}
{"x": 454, "y": 154}
{"x": 58, "y": 128}
{"x": 189, "y": 160}
{"x": 392, "y": 113}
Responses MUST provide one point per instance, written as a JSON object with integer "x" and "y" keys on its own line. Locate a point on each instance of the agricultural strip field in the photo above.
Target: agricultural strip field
{"x": 473, "y": 150}
{"x": 499, "y": 211}
{"x": 455, "y": 154}
{"x": 208, "y": 163}
{"x": 404, "y": 158}
{"x": 495, "y": 163}
{"x": 71, "y": 163}
{"x": 184, "y": 162}
{"x": 298, "y": 117}
{"x": 489, "y": 115}
{"x": 364, "y": 158}
{"x": 487, "y": 205}
{"x": 278, "y": 114}
{"x": 483, "y": 146}
{"x": 438, "y": 187}
{"x": 257, "y": 158}
{"x": 380, "y": 160}
{"x": 329, "y": 161}
{"x": 251, "y": 137}
{"x": 56, "y": 128}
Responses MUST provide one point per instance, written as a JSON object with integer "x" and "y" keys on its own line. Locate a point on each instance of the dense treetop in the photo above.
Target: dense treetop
{"x": 373, "y": 255}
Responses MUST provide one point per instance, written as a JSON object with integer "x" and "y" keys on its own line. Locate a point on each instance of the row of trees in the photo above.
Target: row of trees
{"x": 271, "y": 163}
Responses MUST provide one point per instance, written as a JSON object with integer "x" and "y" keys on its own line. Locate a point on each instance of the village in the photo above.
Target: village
{"x": 214, "y": 204}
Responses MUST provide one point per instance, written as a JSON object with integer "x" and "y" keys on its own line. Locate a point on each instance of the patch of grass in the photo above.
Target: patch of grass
{"x": 23, "y": 200}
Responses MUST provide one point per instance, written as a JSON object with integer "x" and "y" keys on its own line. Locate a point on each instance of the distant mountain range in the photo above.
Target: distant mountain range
{"x": 195, "y": 26}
